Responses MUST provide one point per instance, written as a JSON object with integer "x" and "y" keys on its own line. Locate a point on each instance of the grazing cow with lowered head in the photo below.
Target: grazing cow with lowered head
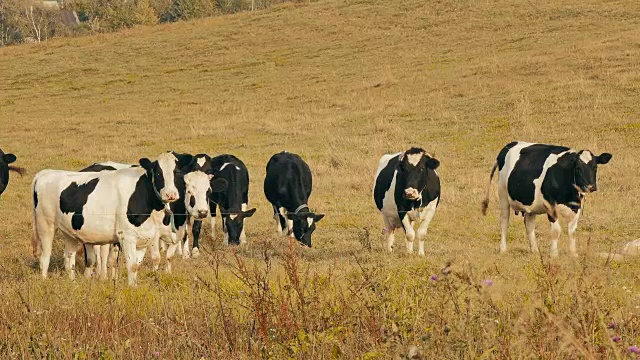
{"x": 287, "y": 186}
{"x": 5, "y": 160}
{"x": 96, "y": 208}
{"x": 407, "y": 191}
{"x": 537, "y": 179}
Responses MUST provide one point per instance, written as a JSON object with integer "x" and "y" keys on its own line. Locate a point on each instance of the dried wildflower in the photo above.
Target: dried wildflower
{"x": 487, "y": 282}
{"x": 434, "y": 278}
{"x": 617, "y": 339}
{"x": 634, "y": 349}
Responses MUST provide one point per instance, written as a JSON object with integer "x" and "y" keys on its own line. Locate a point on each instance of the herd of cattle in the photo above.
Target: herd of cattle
{"x": 157, "y": 203}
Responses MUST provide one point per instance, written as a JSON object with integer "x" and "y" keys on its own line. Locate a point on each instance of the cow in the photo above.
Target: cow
{"x": 406, "y": 190}
{"x": 95, "y": 208}
{"x": 5, "y": 168}
{"x": 536, "y": 179}
{"x": 201, "y": 162}
{"x": 234, "y": 201}
{"x": 198, "y": 189}
{"x": 287, "y": 186}
{"x": 174, "y": 221}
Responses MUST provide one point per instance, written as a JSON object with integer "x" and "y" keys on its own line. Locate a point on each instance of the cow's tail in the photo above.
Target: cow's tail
{"x": 485, "y": 202}
{"x": 36, "y": 244}
{"x": 21, "y": 171}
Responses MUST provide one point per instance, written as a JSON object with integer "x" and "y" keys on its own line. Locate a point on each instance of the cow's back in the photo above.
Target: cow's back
{"x": 385, "y": 178}
{"x": 286, "y": 174}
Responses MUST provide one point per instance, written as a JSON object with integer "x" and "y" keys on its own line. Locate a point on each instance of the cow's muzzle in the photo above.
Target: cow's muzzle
{"x": 411, "y": 194}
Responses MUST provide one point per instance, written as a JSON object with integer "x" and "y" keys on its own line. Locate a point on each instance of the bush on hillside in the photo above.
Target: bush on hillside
{"x": 27, "y": 21}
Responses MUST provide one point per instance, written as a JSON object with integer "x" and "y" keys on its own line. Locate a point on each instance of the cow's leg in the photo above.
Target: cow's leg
{"x": 103, "y": 263}
{"x": 556, "y": 230}
{"x": 196, "y": 227}
{"x": 505, "y": 213}
{"x": 530, "y": 225}
{"x": 186, "y": 252}
{"x": 225, "y": 231}
{"x": 276, "y": 217}
{"x": 91, "y": 259}
{"x": 43, "y": 242}
{"x": 243, "y": 236}
{"x": 426, "y": 216}
{"x": 389, "y": 230}
{"x": 572, "y": 226}
{"x": 71, "y": 247}
{"x": 409, "y": 233}
{"x": 212, "y": 220}
{"x": 154, "y": 253}
{"x": 112, "y": 263}
{"x": 133, "y": 256}
{"x": 173, "y": 247}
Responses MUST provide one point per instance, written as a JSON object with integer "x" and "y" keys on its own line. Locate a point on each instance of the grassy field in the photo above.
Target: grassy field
{"x": 340, "y": 83}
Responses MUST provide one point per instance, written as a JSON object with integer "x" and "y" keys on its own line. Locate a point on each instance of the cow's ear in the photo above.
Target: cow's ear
{"x": 248, "y": 213}
{"x": 184, "y": 160}
{"x": 292, "y": 216}
{"x": 317, "y": 217}
{"x": 146, "y": 164}
{"x": 433, "y": 163}
{"x": 603, "y": 158}
{"x": 9, "y": 158}
{"x": 218, "y": 185}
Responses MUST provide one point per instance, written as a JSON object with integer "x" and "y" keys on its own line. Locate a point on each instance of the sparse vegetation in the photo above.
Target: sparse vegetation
{"x": 340, "y": 83}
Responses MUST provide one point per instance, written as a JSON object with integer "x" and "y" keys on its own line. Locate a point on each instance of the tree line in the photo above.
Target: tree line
{"x": 34, "y": 20}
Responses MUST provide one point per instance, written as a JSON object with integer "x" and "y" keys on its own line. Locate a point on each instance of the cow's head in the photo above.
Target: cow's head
{"x": 164, "y": 173}
{"x": 586, "y": 169}
{"x": 198, "y": 187}
{"x": 234, "y": 222}
{"x": 412, "y": 172}
{"x": 5, "y": 160}
{"x": 304, "y": 223}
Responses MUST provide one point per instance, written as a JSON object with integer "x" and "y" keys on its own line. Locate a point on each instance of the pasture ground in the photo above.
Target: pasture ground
{"x": 341, "y": 83}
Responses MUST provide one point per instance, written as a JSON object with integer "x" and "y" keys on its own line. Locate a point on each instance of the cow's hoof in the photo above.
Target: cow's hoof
{"x": 195, "y": 252}
{"x": 186, "y": 255}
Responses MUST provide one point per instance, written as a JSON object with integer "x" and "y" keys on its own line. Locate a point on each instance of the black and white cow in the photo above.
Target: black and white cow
{"x": 537, "y": 179}
{"x": 194, "y": 188}
{"x": 95, "y": 208}
{"x": 232, "y": 202}
{"x": 5, "y": 160}
{"x": 287, "y": 186}
{"x": 407, "y": 191}
{"x": 201, "y": 162}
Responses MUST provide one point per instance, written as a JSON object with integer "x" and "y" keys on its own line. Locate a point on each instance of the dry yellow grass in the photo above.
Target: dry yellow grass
{"x": 341, "y": 83}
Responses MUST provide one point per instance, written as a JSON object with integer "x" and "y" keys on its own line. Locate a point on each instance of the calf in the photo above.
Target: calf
{"x": 96, "y": 208}
{"x": 537, "y": 179}
{"x": 5, "y": 160}
{"x": 407, "y": 190}
{"x": 287, "y": 186}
